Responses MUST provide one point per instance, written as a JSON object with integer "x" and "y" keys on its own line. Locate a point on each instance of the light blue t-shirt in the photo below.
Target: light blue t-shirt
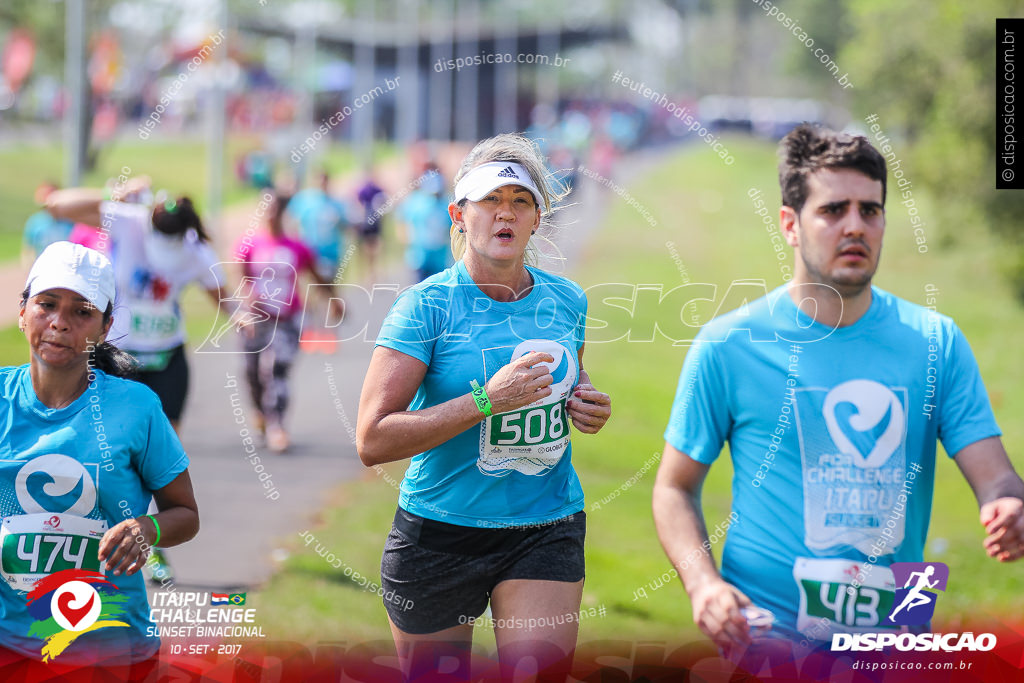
{"x": 426, "y": 214}
{"x": 832, "y": 435}
{"x": 514, "y": 467}
{"x": 42, "y": 230}
{"x": 75, "y": 472}
{"x": 321, "y": 219}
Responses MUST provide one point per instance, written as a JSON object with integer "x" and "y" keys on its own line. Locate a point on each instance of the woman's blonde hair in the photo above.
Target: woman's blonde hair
{"x": 523, "y": 151}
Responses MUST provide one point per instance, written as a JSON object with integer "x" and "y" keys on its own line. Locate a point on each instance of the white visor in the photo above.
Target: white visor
{"x": 485, "y": 178}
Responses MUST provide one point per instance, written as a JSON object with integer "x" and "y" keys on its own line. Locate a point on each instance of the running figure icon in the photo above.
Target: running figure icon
{"x": 262, "y": 306}
{"x": 914, "y": 597}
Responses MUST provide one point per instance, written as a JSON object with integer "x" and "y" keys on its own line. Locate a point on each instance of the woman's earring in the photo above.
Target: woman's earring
{"x": 461, "y": 230}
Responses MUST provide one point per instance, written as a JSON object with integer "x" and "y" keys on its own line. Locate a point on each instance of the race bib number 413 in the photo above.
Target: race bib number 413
{"x": 842, "y": 596}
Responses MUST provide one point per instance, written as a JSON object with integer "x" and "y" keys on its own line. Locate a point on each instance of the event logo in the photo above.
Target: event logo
{"x": 563, "y": 369}
{"x": 70, "y": 603}
{"x": 915, "y": 601}
{"x": 852, "y": 441}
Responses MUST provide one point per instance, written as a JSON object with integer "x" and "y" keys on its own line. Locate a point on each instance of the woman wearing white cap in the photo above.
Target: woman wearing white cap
{"x": 476, "y": 375}
{"x": 82, "y": 453}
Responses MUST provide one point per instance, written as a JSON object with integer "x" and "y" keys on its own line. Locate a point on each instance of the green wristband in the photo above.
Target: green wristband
{"x": 483, "y": 403}
{"x": 157, "y": 541}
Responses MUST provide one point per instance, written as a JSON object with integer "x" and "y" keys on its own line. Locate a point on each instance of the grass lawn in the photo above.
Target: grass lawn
{"x": 702, "y": 208}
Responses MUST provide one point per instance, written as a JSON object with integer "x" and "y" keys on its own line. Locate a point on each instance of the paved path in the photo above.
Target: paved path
{"x": 241, "y": 527}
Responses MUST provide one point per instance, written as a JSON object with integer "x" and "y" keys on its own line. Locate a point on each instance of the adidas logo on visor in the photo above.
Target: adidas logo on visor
{"x": 507, "y": 172}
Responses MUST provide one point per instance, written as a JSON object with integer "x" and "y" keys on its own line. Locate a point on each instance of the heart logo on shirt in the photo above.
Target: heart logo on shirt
{"x": 75, "y": 606}
{"x": 72, "y": 614}
{"x": 865, "y": 420}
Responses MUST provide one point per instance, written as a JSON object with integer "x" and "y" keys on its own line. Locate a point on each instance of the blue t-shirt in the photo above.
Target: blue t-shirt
{"x": 75, "y": 472}
{"x": 42, "y": 230}
{"x": 426, "y": 214}
{"x": 321, "y": 219}
{"x": 832, "y": 435}
{"x": 514, "y": 467}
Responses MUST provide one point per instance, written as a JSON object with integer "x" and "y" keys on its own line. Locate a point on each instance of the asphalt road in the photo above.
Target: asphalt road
{"x": 243, "y": 521}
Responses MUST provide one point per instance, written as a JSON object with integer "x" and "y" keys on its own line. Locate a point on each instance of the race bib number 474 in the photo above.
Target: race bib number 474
{"x": 37, "y": 545}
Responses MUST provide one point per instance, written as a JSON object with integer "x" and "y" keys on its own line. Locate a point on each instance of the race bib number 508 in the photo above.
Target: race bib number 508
{"x": 532, "y": 439}
{"x": 539, "y": 425}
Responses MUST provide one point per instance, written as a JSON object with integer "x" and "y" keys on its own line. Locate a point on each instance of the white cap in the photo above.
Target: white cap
{"x": 494, "y": 174}
{"x": 65, "y": 265}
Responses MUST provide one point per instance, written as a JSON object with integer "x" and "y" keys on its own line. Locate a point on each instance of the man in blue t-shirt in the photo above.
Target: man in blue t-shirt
{"x": 831, "y": 394}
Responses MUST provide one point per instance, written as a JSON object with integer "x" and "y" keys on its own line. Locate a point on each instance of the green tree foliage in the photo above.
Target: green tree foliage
{"x": 927, "y": 69}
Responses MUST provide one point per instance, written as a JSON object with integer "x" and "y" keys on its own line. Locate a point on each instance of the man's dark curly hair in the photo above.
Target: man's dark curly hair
{"x": 810, "y": 147}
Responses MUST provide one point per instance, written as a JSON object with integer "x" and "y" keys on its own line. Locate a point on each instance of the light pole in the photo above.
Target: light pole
{"x": 75, "y": 119}
{"x": 216, "y": 143}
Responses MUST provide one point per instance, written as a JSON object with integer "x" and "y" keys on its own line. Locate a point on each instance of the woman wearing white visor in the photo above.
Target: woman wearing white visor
{"x": 476, "y": 376}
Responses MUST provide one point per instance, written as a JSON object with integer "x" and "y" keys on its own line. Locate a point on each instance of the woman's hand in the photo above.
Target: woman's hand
{"x": 589, "y": 408}
{"x": 125, "y": 547}
{"x": 520, "y": 383}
